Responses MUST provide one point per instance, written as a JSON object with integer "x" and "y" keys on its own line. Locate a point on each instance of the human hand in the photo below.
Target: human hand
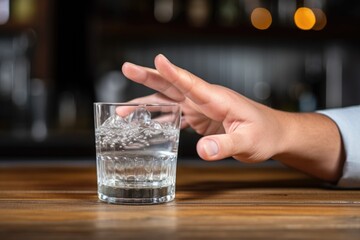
{"x": 232, "y": 124}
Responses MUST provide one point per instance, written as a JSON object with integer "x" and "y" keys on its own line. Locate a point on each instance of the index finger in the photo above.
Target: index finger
{"x": 152, "y": 79}
{"x": 193, "y": 87}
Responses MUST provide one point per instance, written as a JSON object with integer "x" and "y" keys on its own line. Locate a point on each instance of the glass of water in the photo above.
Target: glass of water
{"x": 136, "y": 152}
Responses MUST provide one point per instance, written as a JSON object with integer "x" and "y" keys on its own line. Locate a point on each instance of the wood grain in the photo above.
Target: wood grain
{"x": 212, "y": 202}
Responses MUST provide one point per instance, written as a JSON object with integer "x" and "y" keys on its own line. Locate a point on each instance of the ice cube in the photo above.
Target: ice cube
{"x": 114, "y": 121}
{"x": 140, "y": 115}
{"x": 156, "y": 125}
{"x": 155, "y": 128}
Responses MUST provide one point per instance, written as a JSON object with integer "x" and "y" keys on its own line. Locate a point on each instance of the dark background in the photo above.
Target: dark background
{"x": 58, "y": 57}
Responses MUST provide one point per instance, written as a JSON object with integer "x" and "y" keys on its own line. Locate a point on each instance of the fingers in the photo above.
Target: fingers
{"x": 174, "y": 82}
{"x": 152, "y": 79}
{"x": 181, "y": 86}
{"x": 191, "y": 86}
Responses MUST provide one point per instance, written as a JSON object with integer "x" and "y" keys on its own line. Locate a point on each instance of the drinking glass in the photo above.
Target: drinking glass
{"x": 136, "y": 152}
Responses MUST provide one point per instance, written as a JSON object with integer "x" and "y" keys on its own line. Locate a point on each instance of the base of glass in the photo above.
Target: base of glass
{"x": 136, "y": 195}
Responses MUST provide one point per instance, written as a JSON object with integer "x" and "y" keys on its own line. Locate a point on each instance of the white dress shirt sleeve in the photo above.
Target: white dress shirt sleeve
{"x": 348, "y": 122}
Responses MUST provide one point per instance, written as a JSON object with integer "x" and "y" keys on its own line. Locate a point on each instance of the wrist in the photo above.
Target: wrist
{"x": 310, "y": 142}
{"x": 285, "y": 134}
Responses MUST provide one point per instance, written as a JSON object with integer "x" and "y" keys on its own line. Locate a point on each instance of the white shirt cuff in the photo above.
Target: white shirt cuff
{"x": 348, "y": 122}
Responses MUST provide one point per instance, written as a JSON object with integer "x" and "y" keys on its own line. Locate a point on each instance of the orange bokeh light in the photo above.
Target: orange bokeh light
{"x": 304, "y": 18}
{"x": 261, "y": 18}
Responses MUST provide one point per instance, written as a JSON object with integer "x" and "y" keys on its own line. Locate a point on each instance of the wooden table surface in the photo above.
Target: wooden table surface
{"x": 59, "y": 201}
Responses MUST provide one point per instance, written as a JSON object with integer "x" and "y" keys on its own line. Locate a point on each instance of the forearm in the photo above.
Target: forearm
{"x": 311, "y": 142}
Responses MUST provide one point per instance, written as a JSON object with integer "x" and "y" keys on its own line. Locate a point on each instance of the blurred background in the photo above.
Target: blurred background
{"x": 57, "y": 57}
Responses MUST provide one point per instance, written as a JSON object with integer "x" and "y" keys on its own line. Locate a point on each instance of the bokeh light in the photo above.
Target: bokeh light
{"x": 304, "y": 18}
{"x": 321, "y": 19}
{"x": 261, "y": 18}
{"x": 163, "y": 10}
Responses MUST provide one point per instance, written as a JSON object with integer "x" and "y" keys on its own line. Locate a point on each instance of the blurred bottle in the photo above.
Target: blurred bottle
{"x": 38, "y": 95}
{"x": 67, "y": 110}
{"x": 4, "y": 11}
{"x": 14, "y": 84}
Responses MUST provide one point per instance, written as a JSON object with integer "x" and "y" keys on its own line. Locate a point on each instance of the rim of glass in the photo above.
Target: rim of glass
{"x": 136, "y": 104}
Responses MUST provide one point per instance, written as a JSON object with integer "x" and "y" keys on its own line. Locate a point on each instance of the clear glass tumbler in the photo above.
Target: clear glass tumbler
{"x": 136, "y": 152}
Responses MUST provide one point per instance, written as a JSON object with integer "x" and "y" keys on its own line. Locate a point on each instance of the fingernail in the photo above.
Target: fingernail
{"x": 166, "y": 60}
{"x": 133, "y": 70}
{"x": 211, "y": 148}
{"x": 126, "y": 64}
{"x": 130, "y": 65}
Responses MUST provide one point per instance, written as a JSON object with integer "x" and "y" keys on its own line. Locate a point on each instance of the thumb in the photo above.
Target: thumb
{"x": 216, "y": 147}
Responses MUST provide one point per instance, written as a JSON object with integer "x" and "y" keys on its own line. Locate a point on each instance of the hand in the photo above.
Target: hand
{"x": 232, "y": 124}
{"x": 236, "y": 126}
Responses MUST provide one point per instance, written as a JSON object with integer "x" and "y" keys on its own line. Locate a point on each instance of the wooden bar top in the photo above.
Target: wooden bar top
{"x": 213, "y": 201}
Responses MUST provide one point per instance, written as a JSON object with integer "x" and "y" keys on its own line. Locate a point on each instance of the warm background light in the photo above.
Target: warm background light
{"x": 261, "y": 18}
{"x": 321, "y": 19}
{"x": 304, "y": 18}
